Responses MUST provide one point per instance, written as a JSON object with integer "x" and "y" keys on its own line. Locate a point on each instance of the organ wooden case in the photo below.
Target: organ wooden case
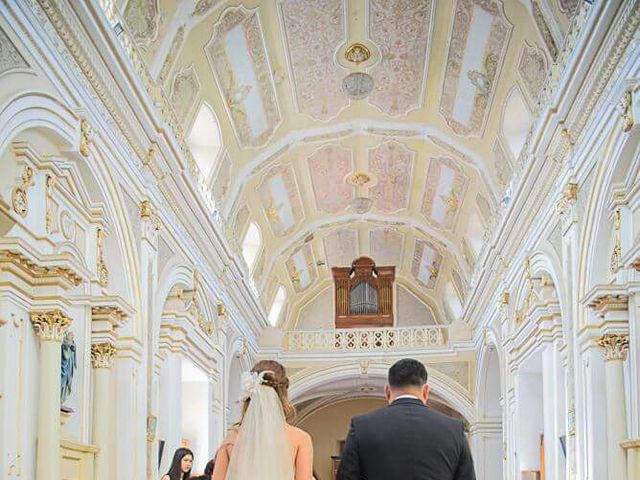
{"x": 364, "y": 294}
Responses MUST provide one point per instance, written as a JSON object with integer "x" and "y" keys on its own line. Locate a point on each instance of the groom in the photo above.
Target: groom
{"x": 406, "y": 440}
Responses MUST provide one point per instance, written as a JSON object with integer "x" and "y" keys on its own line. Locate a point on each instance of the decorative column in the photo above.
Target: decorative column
{"x": 615, "y": 350}
{"x": 151, "y": 224}
{"x": 105, "y": 320}
{"x": 570, "y": 213}
{"x": 50, "y": 326}
{"x": 102, "y": 355}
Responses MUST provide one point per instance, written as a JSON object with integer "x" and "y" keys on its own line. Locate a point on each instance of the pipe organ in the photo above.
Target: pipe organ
{"x": 364, "y": 294}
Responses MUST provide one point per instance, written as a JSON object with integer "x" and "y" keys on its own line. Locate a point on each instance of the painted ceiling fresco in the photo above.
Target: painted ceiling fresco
{"x": 238, "y": 55}
{"x": 313, "y": 32}
{"x": 395, "y": 164}
{"x": 392, "y": 165}
{"x": 329, "y": 167}
{"x": 401, "y": 30}
{"x": 301, "y": 268}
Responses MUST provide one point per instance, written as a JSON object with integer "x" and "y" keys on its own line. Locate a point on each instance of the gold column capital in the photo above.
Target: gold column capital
{"x": 102, "y": 355}
{"x": 50, "y": 325}
{"x": 614, "y": 346}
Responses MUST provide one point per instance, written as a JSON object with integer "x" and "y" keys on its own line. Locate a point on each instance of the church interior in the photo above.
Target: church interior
{"x": 190, "y": 186}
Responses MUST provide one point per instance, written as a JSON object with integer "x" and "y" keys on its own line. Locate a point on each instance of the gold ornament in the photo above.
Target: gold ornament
{"x": 50, "y": 326}
{"x": 616, "y": 254}
{"x": 146, "y": 210}
{"x": 357, "y": 53}
{"x": 624, "y": 107}
{"x": 614, "y": 346}
{"x": 359, "y": 179}
{"x": 85, "y": 137}
{"x": 101, "y": 266}
{"x": 19, "y": 197}
{"x": 570, "y": 193}
{"x": 50, "y": 184}
{"x": 102, "y": 355}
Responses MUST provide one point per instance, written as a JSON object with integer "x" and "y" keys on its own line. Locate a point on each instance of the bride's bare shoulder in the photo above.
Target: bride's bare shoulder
{"x": 298, "y": 435}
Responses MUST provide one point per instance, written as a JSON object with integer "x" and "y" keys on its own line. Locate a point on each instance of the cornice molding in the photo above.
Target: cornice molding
{"x": 38, "y": 273}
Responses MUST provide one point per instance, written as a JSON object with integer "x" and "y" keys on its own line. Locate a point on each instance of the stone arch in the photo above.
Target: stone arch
{"x": 457, "y": 397}
{"x": 619, "y": 167}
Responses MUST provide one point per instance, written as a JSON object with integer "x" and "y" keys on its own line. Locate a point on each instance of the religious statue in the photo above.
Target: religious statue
{"x": 67, "y": 368}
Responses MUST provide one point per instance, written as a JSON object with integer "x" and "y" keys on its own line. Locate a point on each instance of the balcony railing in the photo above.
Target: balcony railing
{"x": 365, "y": 339}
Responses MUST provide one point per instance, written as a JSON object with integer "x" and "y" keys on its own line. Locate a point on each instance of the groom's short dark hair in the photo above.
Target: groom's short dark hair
{"x": 407, "y": 373}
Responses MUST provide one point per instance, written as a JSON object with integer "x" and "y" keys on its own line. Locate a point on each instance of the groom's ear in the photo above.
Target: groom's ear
{"x": 387, "y": 393}
{"x": 425, "y": 393}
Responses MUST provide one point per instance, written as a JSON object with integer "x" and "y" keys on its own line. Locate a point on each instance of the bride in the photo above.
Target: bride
{"x": 263, "y": 445}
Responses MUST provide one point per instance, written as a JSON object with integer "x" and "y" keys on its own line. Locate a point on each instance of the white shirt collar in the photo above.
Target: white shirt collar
{"x": 406, "y": 396}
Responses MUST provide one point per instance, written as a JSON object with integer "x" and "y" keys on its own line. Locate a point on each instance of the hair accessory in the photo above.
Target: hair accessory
{"x": 250, "y": 383}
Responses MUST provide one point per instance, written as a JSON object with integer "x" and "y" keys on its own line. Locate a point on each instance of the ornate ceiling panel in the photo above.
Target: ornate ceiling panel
{"x": 341, "y": 247}
{"x": 532, "y": 69}
{"x": 185, "y": 91}
{"x": 281, "y": 200}
{"x": 426, "y": 264}
{"x": 445, "y": 188}
{"x": 222, "y": 179}
{"x": 392, "y": 165}
{"x": 386, "y": 246}
{"x": 313, "y": 33}
{"x": 477, "y": 47}
{"x": 301, "y": 268}
{"x": 143, "y": 20}
{"x": 238, "y": 55}
{"x": 329, "y": 167}
{"x": 502, "y": 166}
{"x": 401, "y": 31}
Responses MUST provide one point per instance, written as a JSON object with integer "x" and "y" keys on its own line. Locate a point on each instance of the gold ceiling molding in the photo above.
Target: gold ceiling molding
{"x": 19, "y": 195}
{"x": 609, "y": 303}
{"x": 357, "y": 53}
{"x": 39, "y": 274}
{"x": 109, "y": 311}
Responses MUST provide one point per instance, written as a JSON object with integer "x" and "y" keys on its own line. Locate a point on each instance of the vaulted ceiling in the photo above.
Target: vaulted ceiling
{"x": 430, "y": 135}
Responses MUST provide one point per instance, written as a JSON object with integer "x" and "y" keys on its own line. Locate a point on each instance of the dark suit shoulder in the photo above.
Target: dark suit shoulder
{"x": 439, "y": 420}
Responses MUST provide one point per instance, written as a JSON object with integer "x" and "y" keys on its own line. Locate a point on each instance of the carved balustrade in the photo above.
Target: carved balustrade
{"x": 366, "y": 339}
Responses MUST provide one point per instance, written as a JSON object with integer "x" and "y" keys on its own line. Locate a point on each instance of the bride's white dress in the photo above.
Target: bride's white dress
{"x": 262, "y": 450}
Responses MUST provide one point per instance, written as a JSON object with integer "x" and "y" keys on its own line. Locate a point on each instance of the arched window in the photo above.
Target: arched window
{"x": 251, "y": 244}
{"x": 205, "y": 140}
{"x": 277, "y": 305}
{"x": 516, "y": 121}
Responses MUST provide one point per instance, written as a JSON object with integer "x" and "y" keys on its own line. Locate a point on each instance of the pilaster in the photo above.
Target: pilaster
{"x": 50, "y": 327}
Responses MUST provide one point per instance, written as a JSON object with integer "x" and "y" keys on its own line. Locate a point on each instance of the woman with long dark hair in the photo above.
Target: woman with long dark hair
{"x": 180, "y": 466}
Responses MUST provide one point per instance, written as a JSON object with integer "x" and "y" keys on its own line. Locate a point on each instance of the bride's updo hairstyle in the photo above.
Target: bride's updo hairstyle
{"x": 276, "y": 378}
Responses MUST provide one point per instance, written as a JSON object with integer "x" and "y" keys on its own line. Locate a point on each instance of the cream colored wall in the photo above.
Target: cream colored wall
{"x": 330, "y": 425}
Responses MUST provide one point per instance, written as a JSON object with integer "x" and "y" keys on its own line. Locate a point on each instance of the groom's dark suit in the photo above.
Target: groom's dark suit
{"x": 406, "y": 441}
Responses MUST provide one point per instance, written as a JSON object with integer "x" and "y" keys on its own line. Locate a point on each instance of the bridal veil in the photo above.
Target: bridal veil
{"x": 263, "y": 450}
